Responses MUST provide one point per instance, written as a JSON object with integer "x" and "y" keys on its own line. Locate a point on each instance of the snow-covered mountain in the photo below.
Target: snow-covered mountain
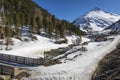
{"x": 114, "y": 28}
{"x": 96, "y": 20}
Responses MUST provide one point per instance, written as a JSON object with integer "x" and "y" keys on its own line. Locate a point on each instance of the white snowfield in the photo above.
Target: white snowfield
{"x": 35, "y": 49}
{"x": 81, "y": 68}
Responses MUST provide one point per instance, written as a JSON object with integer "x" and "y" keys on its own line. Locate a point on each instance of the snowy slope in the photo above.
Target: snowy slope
{"x": 34, "y": 49}
{"x": 80, "y": 68}
{"x": 114, "y": 28}
{"x": 96, "y": 20}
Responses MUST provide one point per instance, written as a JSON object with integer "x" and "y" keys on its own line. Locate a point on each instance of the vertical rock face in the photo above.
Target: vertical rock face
{"x": 96, "y": 20}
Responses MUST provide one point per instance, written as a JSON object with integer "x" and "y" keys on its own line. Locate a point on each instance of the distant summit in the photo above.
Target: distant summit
{"x": 96, "y": 20}
{"x": 96, "y": 9}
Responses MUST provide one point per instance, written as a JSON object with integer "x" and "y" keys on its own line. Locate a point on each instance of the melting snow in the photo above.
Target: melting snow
{"x": 35, "y": 49}
{"x": 80, "y": 68}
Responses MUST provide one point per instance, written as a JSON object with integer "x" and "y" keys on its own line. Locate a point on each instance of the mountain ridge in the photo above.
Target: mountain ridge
{"x": 96, "y": 20}
{"x": 114, "y": 28}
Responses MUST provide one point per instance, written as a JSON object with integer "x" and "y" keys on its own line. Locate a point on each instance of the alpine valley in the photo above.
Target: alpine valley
{"x": 35, "y": 45}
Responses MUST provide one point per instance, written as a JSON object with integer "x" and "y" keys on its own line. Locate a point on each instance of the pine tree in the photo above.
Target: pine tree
{"x": 26, "y": 12}
{"x": 50, "y": 30}
{"x": 31, "y": 23}
{"x": 8, "y": 34}
{"x": 18, "y": 26}
{"x": 61, "y": 30}
{"x": 38, "y": 24}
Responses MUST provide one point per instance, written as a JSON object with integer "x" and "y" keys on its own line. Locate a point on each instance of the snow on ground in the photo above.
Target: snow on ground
{"x": 71, "y": 39}
{"x": 81, "y": 68}
{"x": 95, "y": 27}
{"x": 35, "y": 49}
{"x": 74, "y": 49}
{"x": 92, "y": 46}
{"x": 84, "y": 39}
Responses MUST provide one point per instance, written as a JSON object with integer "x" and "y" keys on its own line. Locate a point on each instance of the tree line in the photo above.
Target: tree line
{"x": 26, "y": 12}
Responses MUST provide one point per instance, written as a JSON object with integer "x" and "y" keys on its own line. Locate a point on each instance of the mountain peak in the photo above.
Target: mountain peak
{"x": 96, "y": 20}
{"x": 96, "y": 9}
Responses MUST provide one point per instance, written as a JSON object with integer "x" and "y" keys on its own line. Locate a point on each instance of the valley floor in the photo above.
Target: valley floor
{"x": 79, "y": 65}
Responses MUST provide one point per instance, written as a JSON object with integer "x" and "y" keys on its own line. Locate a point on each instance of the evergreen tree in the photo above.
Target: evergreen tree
{"x": 61, "y": 31}
{"x": 26, "y": 12}
{"x": 38, "y": 24}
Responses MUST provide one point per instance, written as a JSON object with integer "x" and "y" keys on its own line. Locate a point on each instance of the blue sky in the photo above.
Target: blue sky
{"x": 72, "y": 9}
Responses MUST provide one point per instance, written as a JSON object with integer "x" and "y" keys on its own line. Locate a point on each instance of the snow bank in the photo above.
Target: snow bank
{"x": 84, "y": 39}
